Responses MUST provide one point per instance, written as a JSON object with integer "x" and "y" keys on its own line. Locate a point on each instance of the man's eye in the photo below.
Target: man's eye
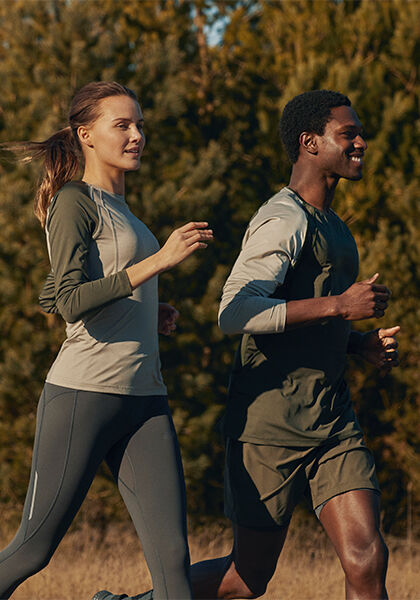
{"x": 122, "y": 126}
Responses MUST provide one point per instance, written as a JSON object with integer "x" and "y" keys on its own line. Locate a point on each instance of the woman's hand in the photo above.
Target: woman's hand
{"x": 183, "y": 242}
{"x": 167, "y": 317}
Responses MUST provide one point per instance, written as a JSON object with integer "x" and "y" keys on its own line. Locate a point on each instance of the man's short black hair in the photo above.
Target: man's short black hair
{"x": 310, "y": 112}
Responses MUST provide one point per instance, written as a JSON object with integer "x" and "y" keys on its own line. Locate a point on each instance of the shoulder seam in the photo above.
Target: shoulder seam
{"x": 77, "y": 189}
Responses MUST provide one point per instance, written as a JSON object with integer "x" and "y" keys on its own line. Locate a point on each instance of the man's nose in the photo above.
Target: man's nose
{"x": 360, "y": 142}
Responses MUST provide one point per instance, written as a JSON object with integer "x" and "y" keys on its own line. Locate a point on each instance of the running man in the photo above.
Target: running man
{"x": 290, "y": 427}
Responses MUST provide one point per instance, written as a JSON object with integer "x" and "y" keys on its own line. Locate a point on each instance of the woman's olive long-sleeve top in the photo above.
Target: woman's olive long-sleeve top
{"x": 112, "y": 338}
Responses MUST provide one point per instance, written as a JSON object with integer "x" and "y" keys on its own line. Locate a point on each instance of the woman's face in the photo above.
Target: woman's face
{"x": 116, "y": 138}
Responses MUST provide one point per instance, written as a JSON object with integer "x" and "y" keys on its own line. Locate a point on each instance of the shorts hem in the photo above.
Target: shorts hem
{"x": 352, "y": 488}
{"x": 296, "y": 442}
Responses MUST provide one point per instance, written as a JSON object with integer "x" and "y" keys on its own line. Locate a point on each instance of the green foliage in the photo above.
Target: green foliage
{"x": 213, "y": 153}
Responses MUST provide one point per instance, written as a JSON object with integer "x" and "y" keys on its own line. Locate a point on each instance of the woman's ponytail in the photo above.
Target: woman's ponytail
{"x": 61, "y": 160}
{"x": 61, "y": 163}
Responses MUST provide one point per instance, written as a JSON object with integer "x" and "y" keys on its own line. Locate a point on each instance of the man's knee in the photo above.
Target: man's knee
{"x": 259, "y": 586}
{"x": 256, "y": 553}
{"x": 256, "y": 579}
{"x": 366, "y": 561}
{"x": 241, "y": 581}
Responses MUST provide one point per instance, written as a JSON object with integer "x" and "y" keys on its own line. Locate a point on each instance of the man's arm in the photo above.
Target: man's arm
{"x": 268, "y": 251}
{"x": 362, "y": 300}
{"x": 355, "y": 342}
{"x": 270, "y": 246}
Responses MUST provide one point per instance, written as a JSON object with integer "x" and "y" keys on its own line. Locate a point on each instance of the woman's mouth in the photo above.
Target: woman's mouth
{"x": 134, "y": 151}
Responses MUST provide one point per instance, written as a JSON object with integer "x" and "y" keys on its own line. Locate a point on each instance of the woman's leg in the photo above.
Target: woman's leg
{"x": 148, "y": 468}
{"x": 70, "y": 442}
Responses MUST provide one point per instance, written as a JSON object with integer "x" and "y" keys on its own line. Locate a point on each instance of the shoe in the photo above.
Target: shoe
{"x": 105, "y": 595}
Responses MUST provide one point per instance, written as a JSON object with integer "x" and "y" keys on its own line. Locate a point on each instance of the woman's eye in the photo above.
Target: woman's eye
{"x": 122, "y": 126}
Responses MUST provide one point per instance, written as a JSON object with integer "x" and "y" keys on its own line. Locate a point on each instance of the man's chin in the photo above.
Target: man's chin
{"x": 355, "y": 177}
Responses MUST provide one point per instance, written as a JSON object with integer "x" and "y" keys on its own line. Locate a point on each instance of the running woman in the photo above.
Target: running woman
{"x": 104, "y": 397}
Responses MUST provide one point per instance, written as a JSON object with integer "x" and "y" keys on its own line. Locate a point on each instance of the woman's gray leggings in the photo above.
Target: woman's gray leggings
{"x": 75, "y": 431}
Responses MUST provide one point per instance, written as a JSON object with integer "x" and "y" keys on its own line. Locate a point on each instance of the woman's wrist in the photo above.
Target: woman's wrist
{"x": 146, "y": 269}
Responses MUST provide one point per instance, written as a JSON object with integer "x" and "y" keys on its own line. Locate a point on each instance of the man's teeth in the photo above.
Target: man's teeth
{"x": 356, "y": 159}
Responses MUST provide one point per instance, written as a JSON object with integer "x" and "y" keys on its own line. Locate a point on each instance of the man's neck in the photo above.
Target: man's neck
{"x": 313, "y": 187}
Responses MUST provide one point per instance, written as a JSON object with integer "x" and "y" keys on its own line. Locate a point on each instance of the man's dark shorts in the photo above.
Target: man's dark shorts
{"x": 264, "y": 483}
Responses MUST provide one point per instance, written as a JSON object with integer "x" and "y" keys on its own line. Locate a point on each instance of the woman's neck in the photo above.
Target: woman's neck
{"x": 113, "y": 182}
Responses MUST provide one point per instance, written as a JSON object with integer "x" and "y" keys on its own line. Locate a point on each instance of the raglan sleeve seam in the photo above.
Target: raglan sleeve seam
{"x": 69, "y": 234}
{"x": 270, "y": 246}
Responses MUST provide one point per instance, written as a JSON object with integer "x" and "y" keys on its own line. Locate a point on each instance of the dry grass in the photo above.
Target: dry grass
{"x": 89, "y": 560}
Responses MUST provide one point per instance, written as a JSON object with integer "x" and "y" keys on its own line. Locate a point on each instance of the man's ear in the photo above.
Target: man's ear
{"x": 84, "y": 136}
{"x": 308, "y": 142}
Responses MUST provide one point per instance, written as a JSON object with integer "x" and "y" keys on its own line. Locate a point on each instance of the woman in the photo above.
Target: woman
{"x": 104, "y": 398}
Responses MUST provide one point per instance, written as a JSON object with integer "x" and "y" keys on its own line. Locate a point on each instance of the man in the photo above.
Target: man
{"x": 290, "y": 426}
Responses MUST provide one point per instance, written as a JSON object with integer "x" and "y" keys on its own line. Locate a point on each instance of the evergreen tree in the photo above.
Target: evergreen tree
{"x": 213, "y": 153}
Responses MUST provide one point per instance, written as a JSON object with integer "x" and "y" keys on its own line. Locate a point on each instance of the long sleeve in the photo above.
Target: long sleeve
{"x": 47, "y": 295}
{"x": 70, "y": 226}
{"x": 271, "y": 244}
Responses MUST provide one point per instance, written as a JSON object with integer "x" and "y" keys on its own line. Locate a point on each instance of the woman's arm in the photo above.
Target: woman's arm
{"x": 71, "y": 222}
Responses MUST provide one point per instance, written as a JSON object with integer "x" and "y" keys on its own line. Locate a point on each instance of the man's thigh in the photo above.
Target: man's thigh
{"x": 264, "y": 483}
{"x": 341, "y": 467}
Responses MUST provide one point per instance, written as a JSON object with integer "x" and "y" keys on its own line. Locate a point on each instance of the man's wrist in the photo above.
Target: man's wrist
{"x": 335, "y": 306}
{"x": 356, "y": 342}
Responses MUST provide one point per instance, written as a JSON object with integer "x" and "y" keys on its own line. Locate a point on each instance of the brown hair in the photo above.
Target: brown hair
{"x": 61, "y": 152}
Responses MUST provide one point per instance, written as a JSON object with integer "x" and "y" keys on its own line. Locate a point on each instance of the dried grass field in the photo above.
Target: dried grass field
{"x": 89, "y": 560}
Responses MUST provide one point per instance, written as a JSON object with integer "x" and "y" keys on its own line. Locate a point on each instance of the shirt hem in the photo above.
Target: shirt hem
{"x": 109, "y": 389}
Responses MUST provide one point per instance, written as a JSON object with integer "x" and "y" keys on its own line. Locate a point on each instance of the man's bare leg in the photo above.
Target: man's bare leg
{"x": 351, "y": 521}
{"x": 245, "y": 572}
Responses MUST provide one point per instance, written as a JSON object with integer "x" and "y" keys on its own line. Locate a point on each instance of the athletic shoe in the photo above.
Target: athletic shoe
{"x": 105, "y": 595}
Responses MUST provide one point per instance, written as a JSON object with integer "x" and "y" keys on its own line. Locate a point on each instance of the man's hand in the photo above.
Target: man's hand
{"x": 379, "y": 348}
{"x": 364, "y": 299}
{"x": 167, "y": 317}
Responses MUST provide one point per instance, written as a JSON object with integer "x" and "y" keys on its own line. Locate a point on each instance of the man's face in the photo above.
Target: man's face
{"x": 341, "y": 147}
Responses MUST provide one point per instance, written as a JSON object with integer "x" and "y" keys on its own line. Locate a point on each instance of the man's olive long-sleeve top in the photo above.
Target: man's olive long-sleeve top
{"x": 287, "y": 387}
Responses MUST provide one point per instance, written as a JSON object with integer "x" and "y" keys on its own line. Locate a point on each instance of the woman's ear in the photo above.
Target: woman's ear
{"x": 84, "y": 136}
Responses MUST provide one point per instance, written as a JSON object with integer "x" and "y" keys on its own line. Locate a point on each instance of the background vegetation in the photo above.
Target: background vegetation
{"x": 212, "y": 102}
{"x": 88, "y": 560}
